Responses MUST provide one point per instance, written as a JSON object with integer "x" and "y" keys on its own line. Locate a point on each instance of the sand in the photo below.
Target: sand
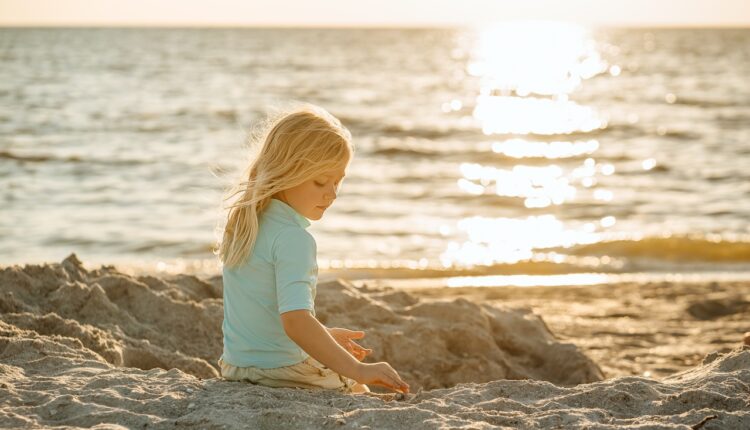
{"x": 649, "y": 329}
{"x": 83, "y": 348}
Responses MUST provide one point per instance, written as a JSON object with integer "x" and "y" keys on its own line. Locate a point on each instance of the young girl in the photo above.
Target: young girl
{"x": 271, "y": 335}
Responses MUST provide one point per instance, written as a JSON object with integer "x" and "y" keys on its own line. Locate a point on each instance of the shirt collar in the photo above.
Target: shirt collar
{"x": 285, "y": 213}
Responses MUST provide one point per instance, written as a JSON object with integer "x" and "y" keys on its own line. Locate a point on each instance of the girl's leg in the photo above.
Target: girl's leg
{"x": 358, "y": 388}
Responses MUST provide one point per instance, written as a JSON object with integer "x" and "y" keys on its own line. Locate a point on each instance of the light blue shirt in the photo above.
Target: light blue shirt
{"x": 280, "y": 275}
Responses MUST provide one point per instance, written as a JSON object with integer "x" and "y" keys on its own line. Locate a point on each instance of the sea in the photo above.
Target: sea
{"x": 512, "y": 149}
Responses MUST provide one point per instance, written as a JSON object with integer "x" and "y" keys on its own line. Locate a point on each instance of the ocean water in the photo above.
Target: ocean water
{"x": 521, "y": 148}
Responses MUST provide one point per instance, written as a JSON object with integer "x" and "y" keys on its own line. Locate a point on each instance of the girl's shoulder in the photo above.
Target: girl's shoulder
{"x": 293, "y": 240}
{"x": 294, "y": 236}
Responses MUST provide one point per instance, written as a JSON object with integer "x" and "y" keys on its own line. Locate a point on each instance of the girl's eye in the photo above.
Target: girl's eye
{"x": 318, "y": 184}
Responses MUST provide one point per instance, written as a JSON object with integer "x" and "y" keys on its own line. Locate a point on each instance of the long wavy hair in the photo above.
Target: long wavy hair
{"x": 292, "y": 146}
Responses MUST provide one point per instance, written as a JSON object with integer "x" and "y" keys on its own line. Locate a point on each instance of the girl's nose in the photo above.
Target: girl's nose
{"x": 331, "y": 193}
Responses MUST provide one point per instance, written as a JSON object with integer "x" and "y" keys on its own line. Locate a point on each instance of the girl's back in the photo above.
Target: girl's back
{"x": 283, "y": 255}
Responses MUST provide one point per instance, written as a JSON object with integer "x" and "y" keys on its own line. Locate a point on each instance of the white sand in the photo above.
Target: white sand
{"x": 76, "y": 346}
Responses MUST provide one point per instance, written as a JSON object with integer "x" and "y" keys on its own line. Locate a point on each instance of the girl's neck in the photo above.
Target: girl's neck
{"x": 280, "y": 196}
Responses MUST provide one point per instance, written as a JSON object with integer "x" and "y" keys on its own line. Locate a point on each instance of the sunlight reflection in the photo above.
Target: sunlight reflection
{"x": 539, "y": 57}
{"x": 507, "y": 240}
{"x": 540, "y": 186}
{"x": 548, "y": 59}
{"x": 648, "y": 164}
{"x": 516, "y": 115}
{"x": 603, "y": 195}
{"x": 527, "y": 74}
{"x": 520, "y": 148}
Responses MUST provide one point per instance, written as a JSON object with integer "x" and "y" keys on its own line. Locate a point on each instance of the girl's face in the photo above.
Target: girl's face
{"x": 312, "y": 197}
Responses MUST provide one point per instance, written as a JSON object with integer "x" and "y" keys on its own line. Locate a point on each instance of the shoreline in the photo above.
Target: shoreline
{"x": 533, "y": 272}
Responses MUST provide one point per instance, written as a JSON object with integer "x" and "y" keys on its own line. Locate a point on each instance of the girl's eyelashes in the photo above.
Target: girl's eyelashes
{"x": 337, "y": 185}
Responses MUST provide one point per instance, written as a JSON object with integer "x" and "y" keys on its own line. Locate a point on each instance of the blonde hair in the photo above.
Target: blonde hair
{"x": 296, "y": 144}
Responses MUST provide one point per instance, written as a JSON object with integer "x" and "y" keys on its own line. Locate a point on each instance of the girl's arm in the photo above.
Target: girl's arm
{"x": 307, "y": 332}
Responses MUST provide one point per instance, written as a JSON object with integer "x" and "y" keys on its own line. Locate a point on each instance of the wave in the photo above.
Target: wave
{"x": 680, "y": 134}
{"x": 649, "y": 255}
{"x": 682, "y": 249}
{"x": 472, "y": 152}
{"x": 452, "y": 131}
{"x": 688, "y": 101}
{"x": 42, "y": 158}
{"x": 412, "y": 152}
{"x": 423, "y": 131}
{"x": 36, "y": 158}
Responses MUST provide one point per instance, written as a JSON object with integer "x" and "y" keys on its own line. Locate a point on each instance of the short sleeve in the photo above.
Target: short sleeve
{"x": 296, "y": 268}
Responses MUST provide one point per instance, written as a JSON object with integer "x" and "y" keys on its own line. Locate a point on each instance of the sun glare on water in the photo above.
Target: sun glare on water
{"x": 527, "y": 72}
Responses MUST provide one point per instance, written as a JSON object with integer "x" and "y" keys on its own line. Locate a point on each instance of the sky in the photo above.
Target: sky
{"x": 345, "y": 13}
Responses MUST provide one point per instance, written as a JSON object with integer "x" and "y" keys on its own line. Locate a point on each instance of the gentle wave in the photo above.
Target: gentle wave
{"x": 470, "y": 154}
{"x": 700, "y": 102}
{"x": 429, "y": 132}
{"x": 77, "y": 159}
{"x": 673, "y": 249}
{"x": 617, "y": 256}
{"x": 668, "y": 254}
{"x": 43, "y": 158}
{"x": 7, "y": 155}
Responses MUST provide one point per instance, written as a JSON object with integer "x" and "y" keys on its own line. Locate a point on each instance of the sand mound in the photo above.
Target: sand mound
{"x": 53, "y": 380}
{"x": 148, "y": 322}
{"x": 438, "y": 344}
{"x": 131, "y": 322}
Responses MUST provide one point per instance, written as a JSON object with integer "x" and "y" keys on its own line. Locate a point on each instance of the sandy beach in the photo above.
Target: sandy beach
{"x": 542, "y": 222}
{"x": 99, "y": 348}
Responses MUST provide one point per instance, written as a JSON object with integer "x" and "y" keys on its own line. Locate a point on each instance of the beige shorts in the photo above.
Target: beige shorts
{"x": 309, "y": 373}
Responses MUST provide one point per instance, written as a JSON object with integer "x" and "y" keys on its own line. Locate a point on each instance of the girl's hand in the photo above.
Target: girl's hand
{"x": 344, "y": 338}
{"x": 381, "y": 374}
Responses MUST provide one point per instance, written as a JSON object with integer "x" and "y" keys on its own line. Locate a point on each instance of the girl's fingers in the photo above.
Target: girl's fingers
{"x": 354, "y": 334}
{"x": 362, "y": 354}
{"x": 356, "y": 350}
{"x": 393, "y": 385}
{"x": 359, "y": 354}
{"x": 355, "y": 345}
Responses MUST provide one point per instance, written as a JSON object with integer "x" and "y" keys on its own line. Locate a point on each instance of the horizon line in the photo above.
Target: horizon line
{"x": 355, "y": 26}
